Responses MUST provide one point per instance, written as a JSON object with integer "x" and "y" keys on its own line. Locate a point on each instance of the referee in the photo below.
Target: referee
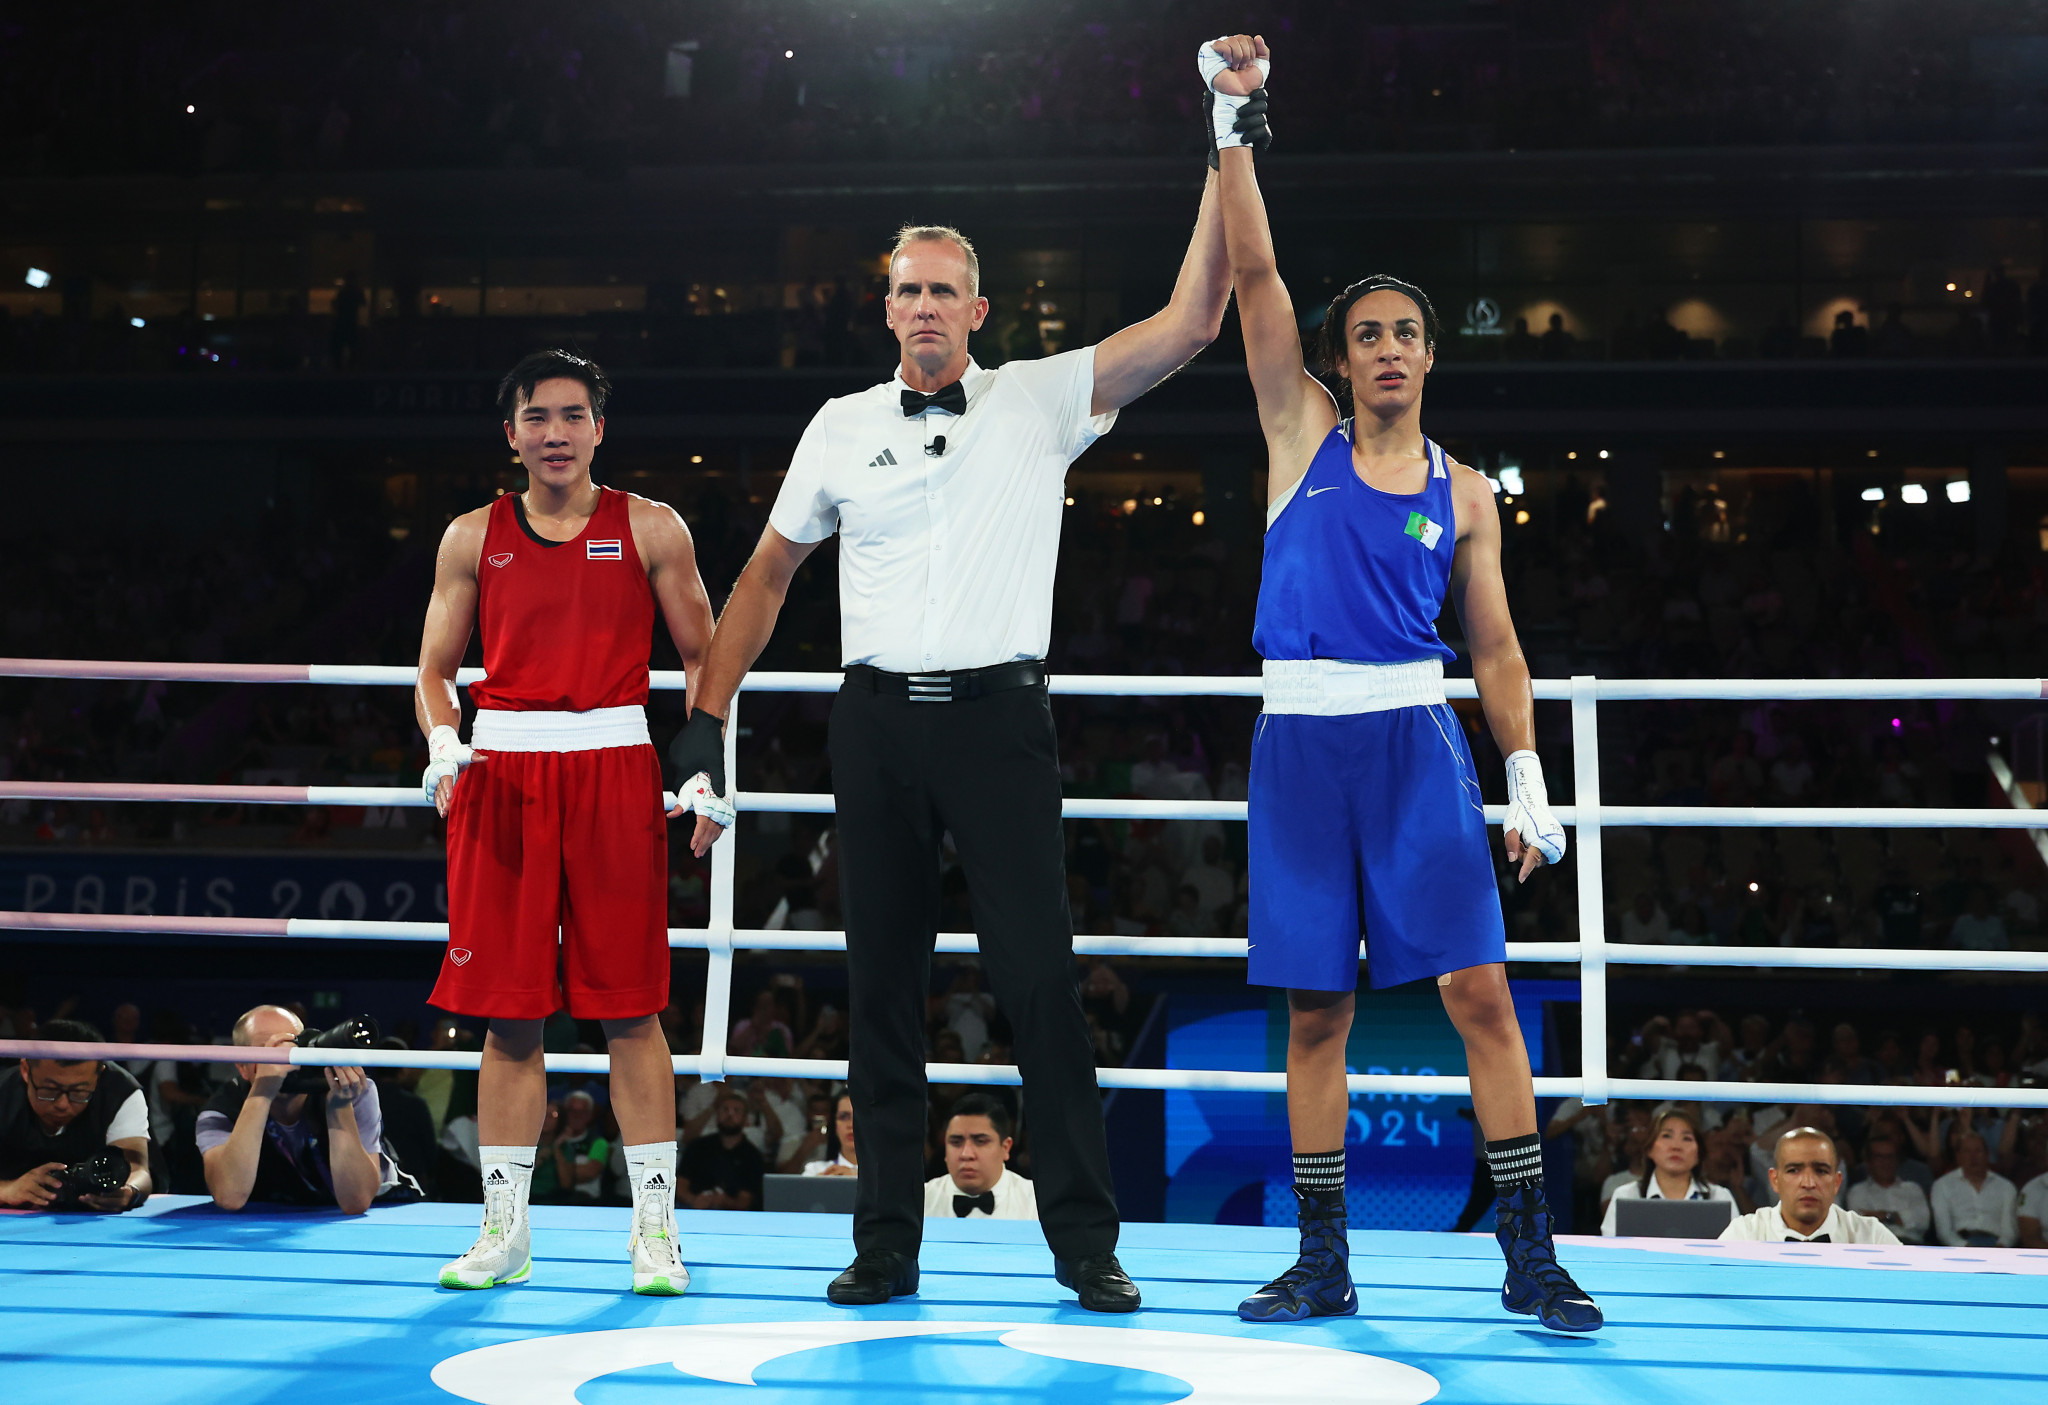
{"x": 946, "y": 485}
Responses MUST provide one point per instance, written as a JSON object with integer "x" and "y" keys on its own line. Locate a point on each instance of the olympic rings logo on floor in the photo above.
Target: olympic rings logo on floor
{"x": 1218, "y": 1370}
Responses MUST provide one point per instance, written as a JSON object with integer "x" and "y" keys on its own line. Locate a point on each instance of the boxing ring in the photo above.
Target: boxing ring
{"x": 311, "y": 1306}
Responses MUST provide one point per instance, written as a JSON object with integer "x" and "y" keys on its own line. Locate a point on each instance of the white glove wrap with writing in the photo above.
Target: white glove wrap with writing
{"x": 446, "y": 756}
{"x": 1224, "y": 111}
{"x": 700, "y": 797}
{"x": 1529, "y": 808}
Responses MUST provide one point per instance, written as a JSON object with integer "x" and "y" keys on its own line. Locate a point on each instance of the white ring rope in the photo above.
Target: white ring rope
{"x": 723, "y": 937}
{"x": 1790, "y": 958}
{"x": 1155, "y": 1079}
{"x": 790, "y": 802}
{"x": 1088, "y": 684}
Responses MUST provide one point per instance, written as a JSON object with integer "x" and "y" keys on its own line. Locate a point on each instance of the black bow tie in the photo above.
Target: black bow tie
{"x": 1817, "y": 1239}
{"x": 965, "y": 1205}
{"x": 951, "y": 397}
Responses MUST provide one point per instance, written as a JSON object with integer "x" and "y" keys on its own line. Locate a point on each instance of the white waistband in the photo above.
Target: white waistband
{"x": 1335, "y": 688}
{"x": 559, "y": 731}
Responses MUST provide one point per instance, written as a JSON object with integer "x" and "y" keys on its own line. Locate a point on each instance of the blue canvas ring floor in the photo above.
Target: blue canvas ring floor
{"x": 178, "y": 1303}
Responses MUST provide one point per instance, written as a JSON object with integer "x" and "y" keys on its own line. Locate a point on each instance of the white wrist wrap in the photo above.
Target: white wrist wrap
{"x": 1529, "y": 808}
{"x": 446, "y": 756}
{"x": 698, "y": 795}
{"x": 1224, "y": 110}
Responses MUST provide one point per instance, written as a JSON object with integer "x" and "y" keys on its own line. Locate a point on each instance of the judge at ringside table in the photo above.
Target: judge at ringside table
{"x": 1807, "y": 1175}
{"x": 979, "y": 1183}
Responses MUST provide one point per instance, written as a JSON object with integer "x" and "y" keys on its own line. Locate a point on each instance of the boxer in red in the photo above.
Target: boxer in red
{"x": 557, "y": 846}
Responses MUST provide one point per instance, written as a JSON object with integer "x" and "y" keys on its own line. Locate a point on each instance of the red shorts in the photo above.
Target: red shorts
{"x": 557, "y": 884}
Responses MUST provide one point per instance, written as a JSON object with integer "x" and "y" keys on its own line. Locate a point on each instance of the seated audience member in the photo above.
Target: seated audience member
{"x": 58, "y": 1115}
{"x": 978, "y": 1180}
{"x": 840, "y": 1158}
{"x": 261, "y": 1141}
{"x": 1807, "y": 1176}
{"x": 762, "y": 1034}
{"x": 1685, "y": 1048}
{"x": 1723, "y": 1164}
{"x": 1974, "y": 1205}
{"x": 817, "y": 1130}
{"x": 1673, "y": 1169}
{"x": 722, "y": 1169}
{"x": 775, "y": 1117}
{"x": 2033, "y": 1216}
{"x": 569, "y": 1166}
{"x": 1885, "y": 1196}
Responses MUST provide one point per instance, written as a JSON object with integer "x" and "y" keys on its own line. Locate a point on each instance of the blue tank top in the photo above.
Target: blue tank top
{"x": 1353, "y": 573}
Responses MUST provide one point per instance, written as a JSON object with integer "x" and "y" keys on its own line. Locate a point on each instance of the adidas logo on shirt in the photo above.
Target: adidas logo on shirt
{"x": 885, "y": 459}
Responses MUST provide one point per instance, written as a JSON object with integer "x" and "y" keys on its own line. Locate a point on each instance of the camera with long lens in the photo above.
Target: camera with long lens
{"x": 104, "y": 1174}
{"x": 358, "y": 1033}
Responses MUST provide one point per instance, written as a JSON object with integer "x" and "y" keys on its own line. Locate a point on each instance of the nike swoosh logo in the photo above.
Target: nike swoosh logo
{"x": 1331, "y": 489}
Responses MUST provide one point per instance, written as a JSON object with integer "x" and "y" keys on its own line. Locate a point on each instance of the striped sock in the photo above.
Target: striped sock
{"x": 1516, "y": 1161}
{"x": 1319, "y": 1170}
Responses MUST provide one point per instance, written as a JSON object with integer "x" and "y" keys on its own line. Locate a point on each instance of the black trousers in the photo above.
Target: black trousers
{"x": 986, "y": 770}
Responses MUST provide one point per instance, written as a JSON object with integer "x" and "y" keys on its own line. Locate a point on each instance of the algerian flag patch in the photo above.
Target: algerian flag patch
{"x": 1424, "y": 530}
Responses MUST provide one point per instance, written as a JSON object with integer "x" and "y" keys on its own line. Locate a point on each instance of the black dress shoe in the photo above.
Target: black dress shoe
{"x": 874, "y": 1276}
{"x": 1100, "y": 1281}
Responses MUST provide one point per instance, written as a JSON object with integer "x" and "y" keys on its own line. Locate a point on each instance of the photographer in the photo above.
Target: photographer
{"x": 268, "y": 1136}
{"x": 73, "y": 1135}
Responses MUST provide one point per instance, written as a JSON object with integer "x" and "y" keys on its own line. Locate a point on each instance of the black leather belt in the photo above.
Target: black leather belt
{"x": 965, "y": 685}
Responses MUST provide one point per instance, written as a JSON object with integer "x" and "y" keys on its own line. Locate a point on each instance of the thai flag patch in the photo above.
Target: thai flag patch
{"x": 607, "y": 551}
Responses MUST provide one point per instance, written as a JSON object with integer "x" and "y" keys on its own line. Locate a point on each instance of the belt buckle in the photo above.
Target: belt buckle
{"x": 930, "y": 687}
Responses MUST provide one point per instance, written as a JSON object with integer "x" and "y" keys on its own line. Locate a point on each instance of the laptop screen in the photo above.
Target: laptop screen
{"x": 1673, "y": 1219}
{"x": 818, "y": 1195}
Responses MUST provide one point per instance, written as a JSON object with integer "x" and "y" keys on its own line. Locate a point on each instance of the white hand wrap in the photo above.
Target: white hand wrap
{"x": 1529, "y": 808}
{"x": 697, "y": 794}
{"x": 1224, "y": 111}
{"x": 446, "y": 756}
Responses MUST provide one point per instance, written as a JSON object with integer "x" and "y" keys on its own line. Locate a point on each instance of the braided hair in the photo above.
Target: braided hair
{"x": 1331, "y": 338}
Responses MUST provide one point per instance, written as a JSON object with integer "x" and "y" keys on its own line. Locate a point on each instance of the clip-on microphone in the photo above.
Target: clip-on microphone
{"x": 937, "y": 447}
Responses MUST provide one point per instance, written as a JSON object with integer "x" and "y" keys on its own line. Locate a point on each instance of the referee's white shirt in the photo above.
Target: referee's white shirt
{"x": 1016, "y": 1199}
{"x": 945, "y": 561}
{"x": 1841, "y": 1227}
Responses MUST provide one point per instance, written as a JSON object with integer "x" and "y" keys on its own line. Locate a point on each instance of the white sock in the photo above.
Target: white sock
{"x": 513, "y": 1164}
{"x": 652, "y": 1167}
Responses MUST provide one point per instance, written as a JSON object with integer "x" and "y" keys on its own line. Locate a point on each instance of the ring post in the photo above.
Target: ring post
{"x": 718, "y": 975}
{"x": 1592, "y": 904}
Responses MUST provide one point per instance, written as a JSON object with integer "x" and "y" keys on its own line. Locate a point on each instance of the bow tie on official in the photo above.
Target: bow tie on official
{"x": 965, "y": 1205}
{"x": 949, "y": 397}
{"x": 1789, "y": 1239}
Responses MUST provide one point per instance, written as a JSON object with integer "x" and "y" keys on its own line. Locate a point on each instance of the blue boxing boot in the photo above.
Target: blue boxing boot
{"x": 1319, "y": 1284}
{"x": 1536, "y": 1286}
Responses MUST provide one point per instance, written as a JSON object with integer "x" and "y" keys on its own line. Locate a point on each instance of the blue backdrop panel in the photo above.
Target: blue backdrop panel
{"x": 1409, "y": 1158}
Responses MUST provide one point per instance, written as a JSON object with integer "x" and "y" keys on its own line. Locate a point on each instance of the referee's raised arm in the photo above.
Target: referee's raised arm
{"x": 1145, "y": 353}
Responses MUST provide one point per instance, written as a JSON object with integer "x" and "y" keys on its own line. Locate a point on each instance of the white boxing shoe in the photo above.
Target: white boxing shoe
{"x": 503, "y": 1250}
{"x": 658, "y": 1269}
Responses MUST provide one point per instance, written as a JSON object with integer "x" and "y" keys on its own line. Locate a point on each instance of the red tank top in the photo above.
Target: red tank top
{"x": 566, "y": 626}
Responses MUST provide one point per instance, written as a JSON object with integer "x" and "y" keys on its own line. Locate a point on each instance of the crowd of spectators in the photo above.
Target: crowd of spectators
{"x": 729, "y": 1134}
{"x": 456, "y": 83}
{"x": 1934, "y": 1174}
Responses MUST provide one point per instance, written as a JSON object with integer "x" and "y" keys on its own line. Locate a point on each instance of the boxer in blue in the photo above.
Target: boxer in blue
{"x": 1365, "y": 810}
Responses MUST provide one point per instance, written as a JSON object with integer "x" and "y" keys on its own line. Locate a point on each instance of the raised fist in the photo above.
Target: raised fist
{"x": 1245, "y": 63}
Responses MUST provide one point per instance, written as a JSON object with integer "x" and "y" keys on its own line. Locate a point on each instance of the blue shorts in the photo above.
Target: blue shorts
{"x": 1371, "y": 823}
